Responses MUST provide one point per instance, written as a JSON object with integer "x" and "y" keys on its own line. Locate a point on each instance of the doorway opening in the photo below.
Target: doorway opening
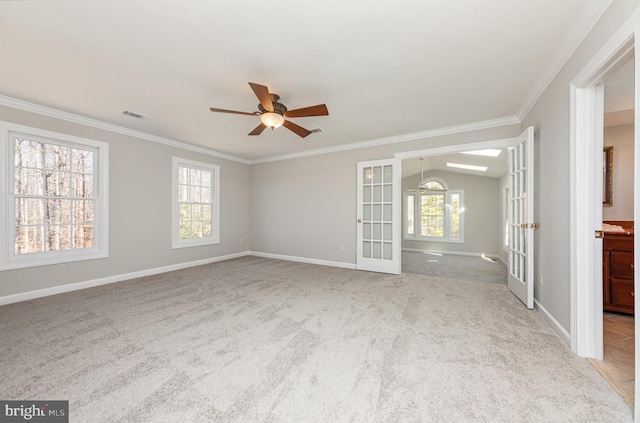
{"x": 588, "y": 295}
{"x": 618, "y": 362}
{"x": 520, "y": 250}
{"x": 453, "y": 217}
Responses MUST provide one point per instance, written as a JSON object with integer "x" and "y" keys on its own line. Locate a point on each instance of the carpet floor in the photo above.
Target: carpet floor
{"x": 261, "y": 340}
{"x": 468, "y": 268}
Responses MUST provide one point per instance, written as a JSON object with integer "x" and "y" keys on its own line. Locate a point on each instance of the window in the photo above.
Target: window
{"x": 434, "y": 214}
{"x": 196, "y": 216}
{"x": 55, "y": 198}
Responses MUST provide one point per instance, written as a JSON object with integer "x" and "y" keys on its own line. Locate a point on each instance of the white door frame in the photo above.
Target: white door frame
{"x": 586, "y": 97}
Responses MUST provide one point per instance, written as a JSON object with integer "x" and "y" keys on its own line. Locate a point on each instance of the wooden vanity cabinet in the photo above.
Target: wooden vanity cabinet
{"x": 618, "y": 272}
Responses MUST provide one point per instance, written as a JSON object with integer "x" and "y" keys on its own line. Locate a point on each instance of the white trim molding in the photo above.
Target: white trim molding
{"x": 94, "y": 123}
{"x": 176, "y": 201}
{"x": 585, "y": 104}
{"x": 9, "y": 260}
{"x": 431, "y": 133}
{"x": 304, "y": 260}
{"x": 456, "y": 253}
{"x": 457, "y": 148}
{"x": 555, "y": 325}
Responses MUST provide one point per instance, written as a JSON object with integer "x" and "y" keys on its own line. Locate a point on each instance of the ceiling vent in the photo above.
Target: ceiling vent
{"x": 315, "y": 130}
{"x": 134, "y": 114}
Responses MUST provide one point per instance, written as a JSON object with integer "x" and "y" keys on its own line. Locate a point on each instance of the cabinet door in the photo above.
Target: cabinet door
{"x": 622, "y": 264}
{"x": 622, "y": 292}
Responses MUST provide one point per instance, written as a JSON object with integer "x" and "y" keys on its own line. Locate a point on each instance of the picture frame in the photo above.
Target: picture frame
{"x": 607, "y": 187}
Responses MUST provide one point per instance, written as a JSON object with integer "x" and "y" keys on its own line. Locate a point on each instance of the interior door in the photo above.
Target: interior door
{"x": 379, "y": 216}
{"x": 521, "y": 216}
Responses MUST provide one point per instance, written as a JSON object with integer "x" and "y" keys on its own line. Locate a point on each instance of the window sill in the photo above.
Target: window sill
{"x": 186, "y": 243}
{"x": 24, "y": 262}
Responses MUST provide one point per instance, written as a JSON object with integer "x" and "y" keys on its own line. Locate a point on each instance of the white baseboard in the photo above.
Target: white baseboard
{"x": 564, "y": 335}
{"x": 304, "y": 260}
{"x": 60, "y": 289}
{"x": 455, "y": 253}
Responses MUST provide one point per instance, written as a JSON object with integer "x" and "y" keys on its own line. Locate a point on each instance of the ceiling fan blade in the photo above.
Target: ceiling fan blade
{"x": 319, "y": 110}
{"x": 295, "y": 128}
{"x": 263, "y": 95}
{"x": 213, "y": 109}
{"x": 258, "y": 129}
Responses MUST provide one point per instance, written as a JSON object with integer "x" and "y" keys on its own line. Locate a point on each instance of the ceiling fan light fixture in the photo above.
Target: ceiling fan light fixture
{"x": 272, "y": 120}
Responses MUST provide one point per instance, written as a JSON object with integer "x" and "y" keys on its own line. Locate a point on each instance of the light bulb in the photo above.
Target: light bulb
{"x": 272, "y": 120}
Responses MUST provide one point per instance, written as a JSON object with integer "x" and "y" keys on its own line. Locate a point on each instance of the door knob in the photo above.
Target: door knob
{"x": 359, "y": 220}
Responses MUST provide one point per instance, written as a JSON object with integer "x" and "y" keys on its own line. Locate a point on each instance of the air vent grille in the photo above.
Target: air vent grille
{"x": 314, "y": 130}
{"x": 134, "y": 114}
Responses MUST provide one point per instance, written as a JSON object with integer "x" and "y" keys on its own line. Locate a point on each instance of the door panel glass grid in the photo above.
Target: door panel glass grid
{"x": 377, "y": 212}
{"x": 518, "y": 218}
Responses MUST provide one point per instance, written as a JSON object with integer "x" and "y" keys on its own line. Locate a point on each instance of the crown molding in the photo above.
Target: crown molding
{"x": 94, "y": 123}
{"x": 590, "y": 15}
{"x": 449, "y": 130}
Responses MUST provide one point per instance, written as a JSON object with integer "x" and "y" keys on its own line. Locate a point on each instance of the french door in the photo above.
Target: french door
{"x": 521, "y": 226}
{"x": 379, "y": 216}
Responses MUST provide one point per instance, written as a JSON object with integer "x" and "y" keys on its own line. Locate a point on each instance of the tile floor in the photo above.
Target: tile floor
{"x": 618, "y": 366}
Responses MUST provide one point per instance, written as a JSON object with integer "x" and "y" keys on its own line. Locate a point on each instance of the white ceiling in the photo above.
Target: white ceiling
{"x": 496, "y": 166}
{"x": 383, "y": 68}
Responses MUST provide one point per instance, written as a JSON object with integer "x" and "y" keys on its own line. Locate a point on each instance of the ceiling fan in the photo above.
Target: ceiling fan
{"x": 272, "y": 113}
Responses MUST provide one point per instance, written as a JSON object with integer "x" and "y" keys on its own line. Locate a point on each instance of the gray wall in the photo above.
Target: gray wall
{"x": 481, "y": 215}
{"x": 551, "y": 118}
{"x": 306, "y": 207}
{"x": 621, "y": 138}
{"x": 139, "y": 210}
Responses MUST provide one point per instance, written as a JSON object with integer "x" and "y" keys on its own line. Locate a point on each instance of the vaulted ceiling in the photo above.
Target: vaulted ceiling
{"x": 383, "y": 68}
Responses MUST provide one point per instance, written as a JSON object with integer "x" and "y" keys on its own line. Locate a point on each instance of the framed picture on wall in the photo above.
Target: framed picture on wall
{"x": 607, "y": 195}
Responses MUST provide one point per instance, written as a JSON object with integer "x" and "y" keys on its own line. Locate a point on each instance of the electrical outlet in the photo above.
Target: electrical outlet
{"x": 342, "y": 248}
{"x": 540, "y": 279}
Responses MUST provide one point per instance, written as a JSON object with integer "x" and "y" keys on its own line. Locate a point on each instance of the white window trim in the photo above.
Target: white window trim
{"x": 176, "y": 241}
{"x": 8, "y": 259}
{"x": 447, "y": 218}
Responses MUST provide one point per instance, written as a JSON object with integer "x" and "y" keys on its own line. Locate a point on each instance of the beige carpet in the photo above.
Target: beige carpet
{"x": 259, "y": 340}
{"x": 468, "y": 268}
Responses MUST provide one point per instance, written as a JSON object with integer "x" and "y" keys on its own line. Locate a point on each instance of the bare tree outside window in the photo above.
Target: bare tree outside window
{"x": 194, "y": 198}
{"x": 54, "y": 196}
